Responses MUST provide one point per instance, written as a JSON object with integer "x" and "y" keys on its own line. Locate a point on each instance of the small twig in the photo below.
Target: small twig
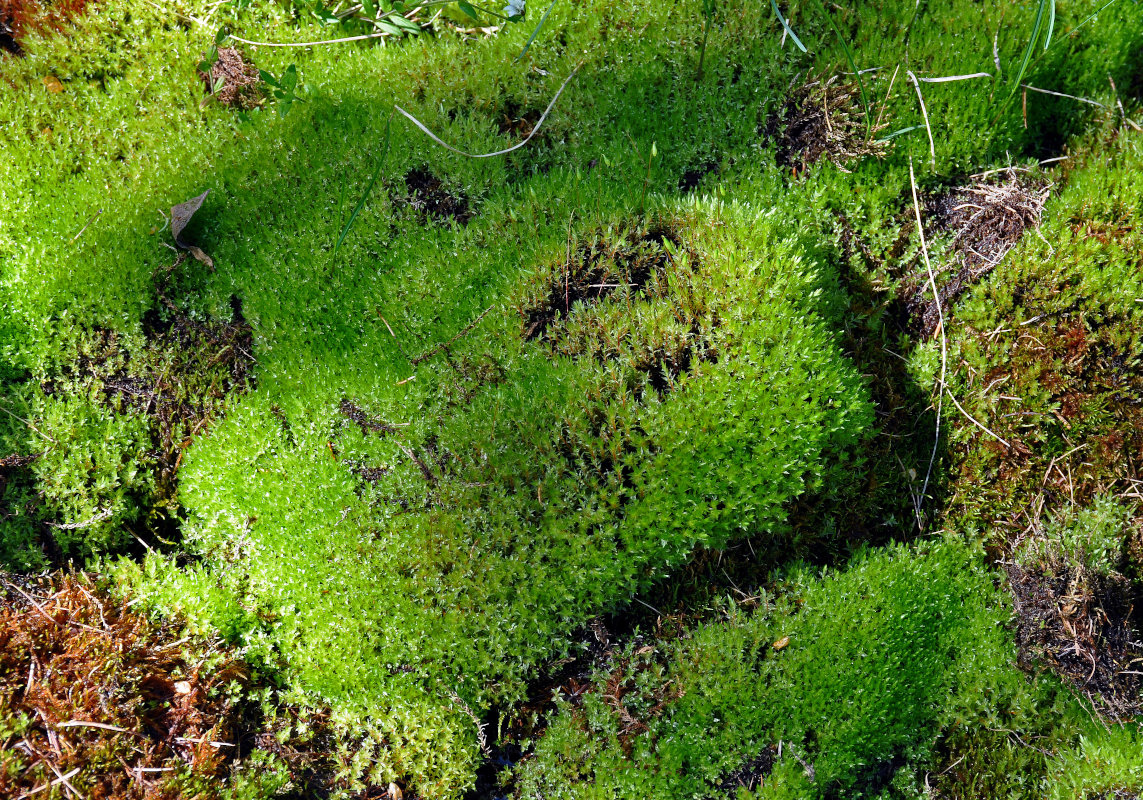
{"x": 888, "y": 91}
{"x": 58, "y": 780}
{"x": 481, "y": 738}
{"x": 73, "y": 526}
{"x": 74, "y": 723}
{"x": 31, "y": 600}
{"x": 1119, "y": 103}
{"x": 30, "y": 425}
{"x": 648, "y": 605}
{"x": 973, "y": 420}
{"x": 90, "y": 220}
{"x": 415, "y": 360}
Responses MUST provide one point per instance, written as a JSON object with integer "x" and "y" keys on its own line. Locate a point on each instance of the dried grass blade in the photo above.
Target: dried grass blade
{"x": 535, "y": 129}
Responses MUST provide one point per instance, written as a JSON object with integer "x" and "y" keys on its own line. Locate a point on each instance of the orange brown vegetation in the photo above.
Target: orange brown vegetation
{"x": 19, "y": 17}
{"x": 98, "y": 702}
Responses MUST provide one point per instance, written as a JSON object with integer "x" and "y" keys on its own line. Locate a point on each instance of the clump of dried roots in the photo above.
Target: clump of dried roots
{"x": 986, "y": 218}
{"x": 233, "y": 80}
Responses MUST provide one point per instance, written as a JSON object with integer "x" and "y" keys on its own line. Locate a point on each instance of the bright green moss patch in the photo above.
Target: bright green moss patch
{"x": 522, "y": 390}
{"x": 853, "y": 675}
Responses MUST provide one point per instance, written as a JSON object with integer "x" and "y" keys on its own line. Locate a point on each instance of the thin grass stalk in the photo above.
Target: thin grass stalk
{"x": 368, "y": 188}
{"x": 853, "y": 66}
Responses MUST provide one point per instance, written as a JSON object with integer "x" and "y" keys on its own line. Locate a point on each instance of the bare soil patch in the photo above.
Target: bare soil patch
{"x": 595, "y": 270}
{"x": 1084, "y": 626}
{"x": 572, "y": 307}
{"x": 751, "y": 774}
{"x": 432, "y": 200}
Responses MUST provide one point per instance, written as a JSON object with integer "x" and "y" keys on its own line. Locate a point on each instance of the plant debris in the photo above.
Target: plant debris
{"x": 822, "y": 119}
{"x": 98, "y": 699}
{"x": 233, "y": 80}
{"x": 426, "y": 193}
{"x": 986, "y": 218}
{"x": 180, "y": 218}
{"x": 1082, "y": 624}
{"x": 368, "y": 424}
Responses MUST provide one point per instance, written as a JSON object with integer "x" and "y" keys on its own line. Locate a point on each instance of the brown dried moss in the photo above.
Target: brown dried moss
{"x": 99, "y": 700}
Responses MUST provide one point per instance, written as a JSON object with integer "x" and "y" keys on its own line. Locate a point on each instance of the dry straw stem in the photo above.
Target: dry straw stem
{"x": 932, "y": 147}
{"x": 941, "y": 327}
{"x": 535, "y": 129}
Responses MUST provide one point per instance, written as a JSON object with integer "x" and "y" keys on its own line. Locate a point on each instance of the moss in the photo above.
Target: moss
{"x": 516, "y": 489}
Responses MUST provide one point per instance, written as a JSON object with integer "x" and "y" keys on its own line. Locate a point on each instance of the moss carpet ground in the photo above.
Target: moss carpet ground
{"x": 677, "y": 349}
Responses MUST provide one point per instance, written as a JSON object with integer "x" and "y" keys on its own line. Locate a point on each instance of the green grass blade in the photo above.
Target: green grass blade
{"x": 368, "y": 189}
{"x": 900, "y": 132}
{"x": 852, "y": 65}
{"x": 1051, "y": 24}
{"x": 536, "y": 32}
{"x": 1030, "y": 48}
{"x": 786, "y": 25}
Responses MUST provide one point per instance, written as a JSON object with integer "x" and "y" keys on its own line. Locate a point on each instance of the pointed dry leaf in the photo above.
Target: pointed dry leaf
{"x": 182, "y": 213}
{"x": 199, "y": 254}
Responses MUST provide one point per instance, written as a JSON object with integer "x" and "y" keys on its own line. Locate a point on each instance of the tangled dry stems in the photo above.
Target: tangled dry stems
{"x": 986, "y": 218}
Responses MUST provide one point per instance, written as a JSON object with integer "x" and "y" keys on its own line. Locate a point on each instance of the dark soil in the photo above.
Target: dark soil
{"x": 428, "y": 196}
{"x": 594, "y": 271}
{"x": 751, "y": 774}
{"x": 821, "y": 119}
{"x": 241, "y": 85}
{"x": 8, "y": 41}
{"x": 693, "y": 177}
{"x": 201, "y": 364}
{"x": 1085, "y": 627}
{"x": 625, "y": 267}
{"x": 518, "y": 122}
{"x": 985, "y": 220}
{"x": 595, "y": 650}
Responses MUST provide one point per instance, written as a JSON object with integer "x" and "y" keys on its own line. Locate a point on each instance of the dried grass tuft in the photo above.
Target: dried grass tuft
{"x": 823, "y": 119}
{"x": 986, "y": 218}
